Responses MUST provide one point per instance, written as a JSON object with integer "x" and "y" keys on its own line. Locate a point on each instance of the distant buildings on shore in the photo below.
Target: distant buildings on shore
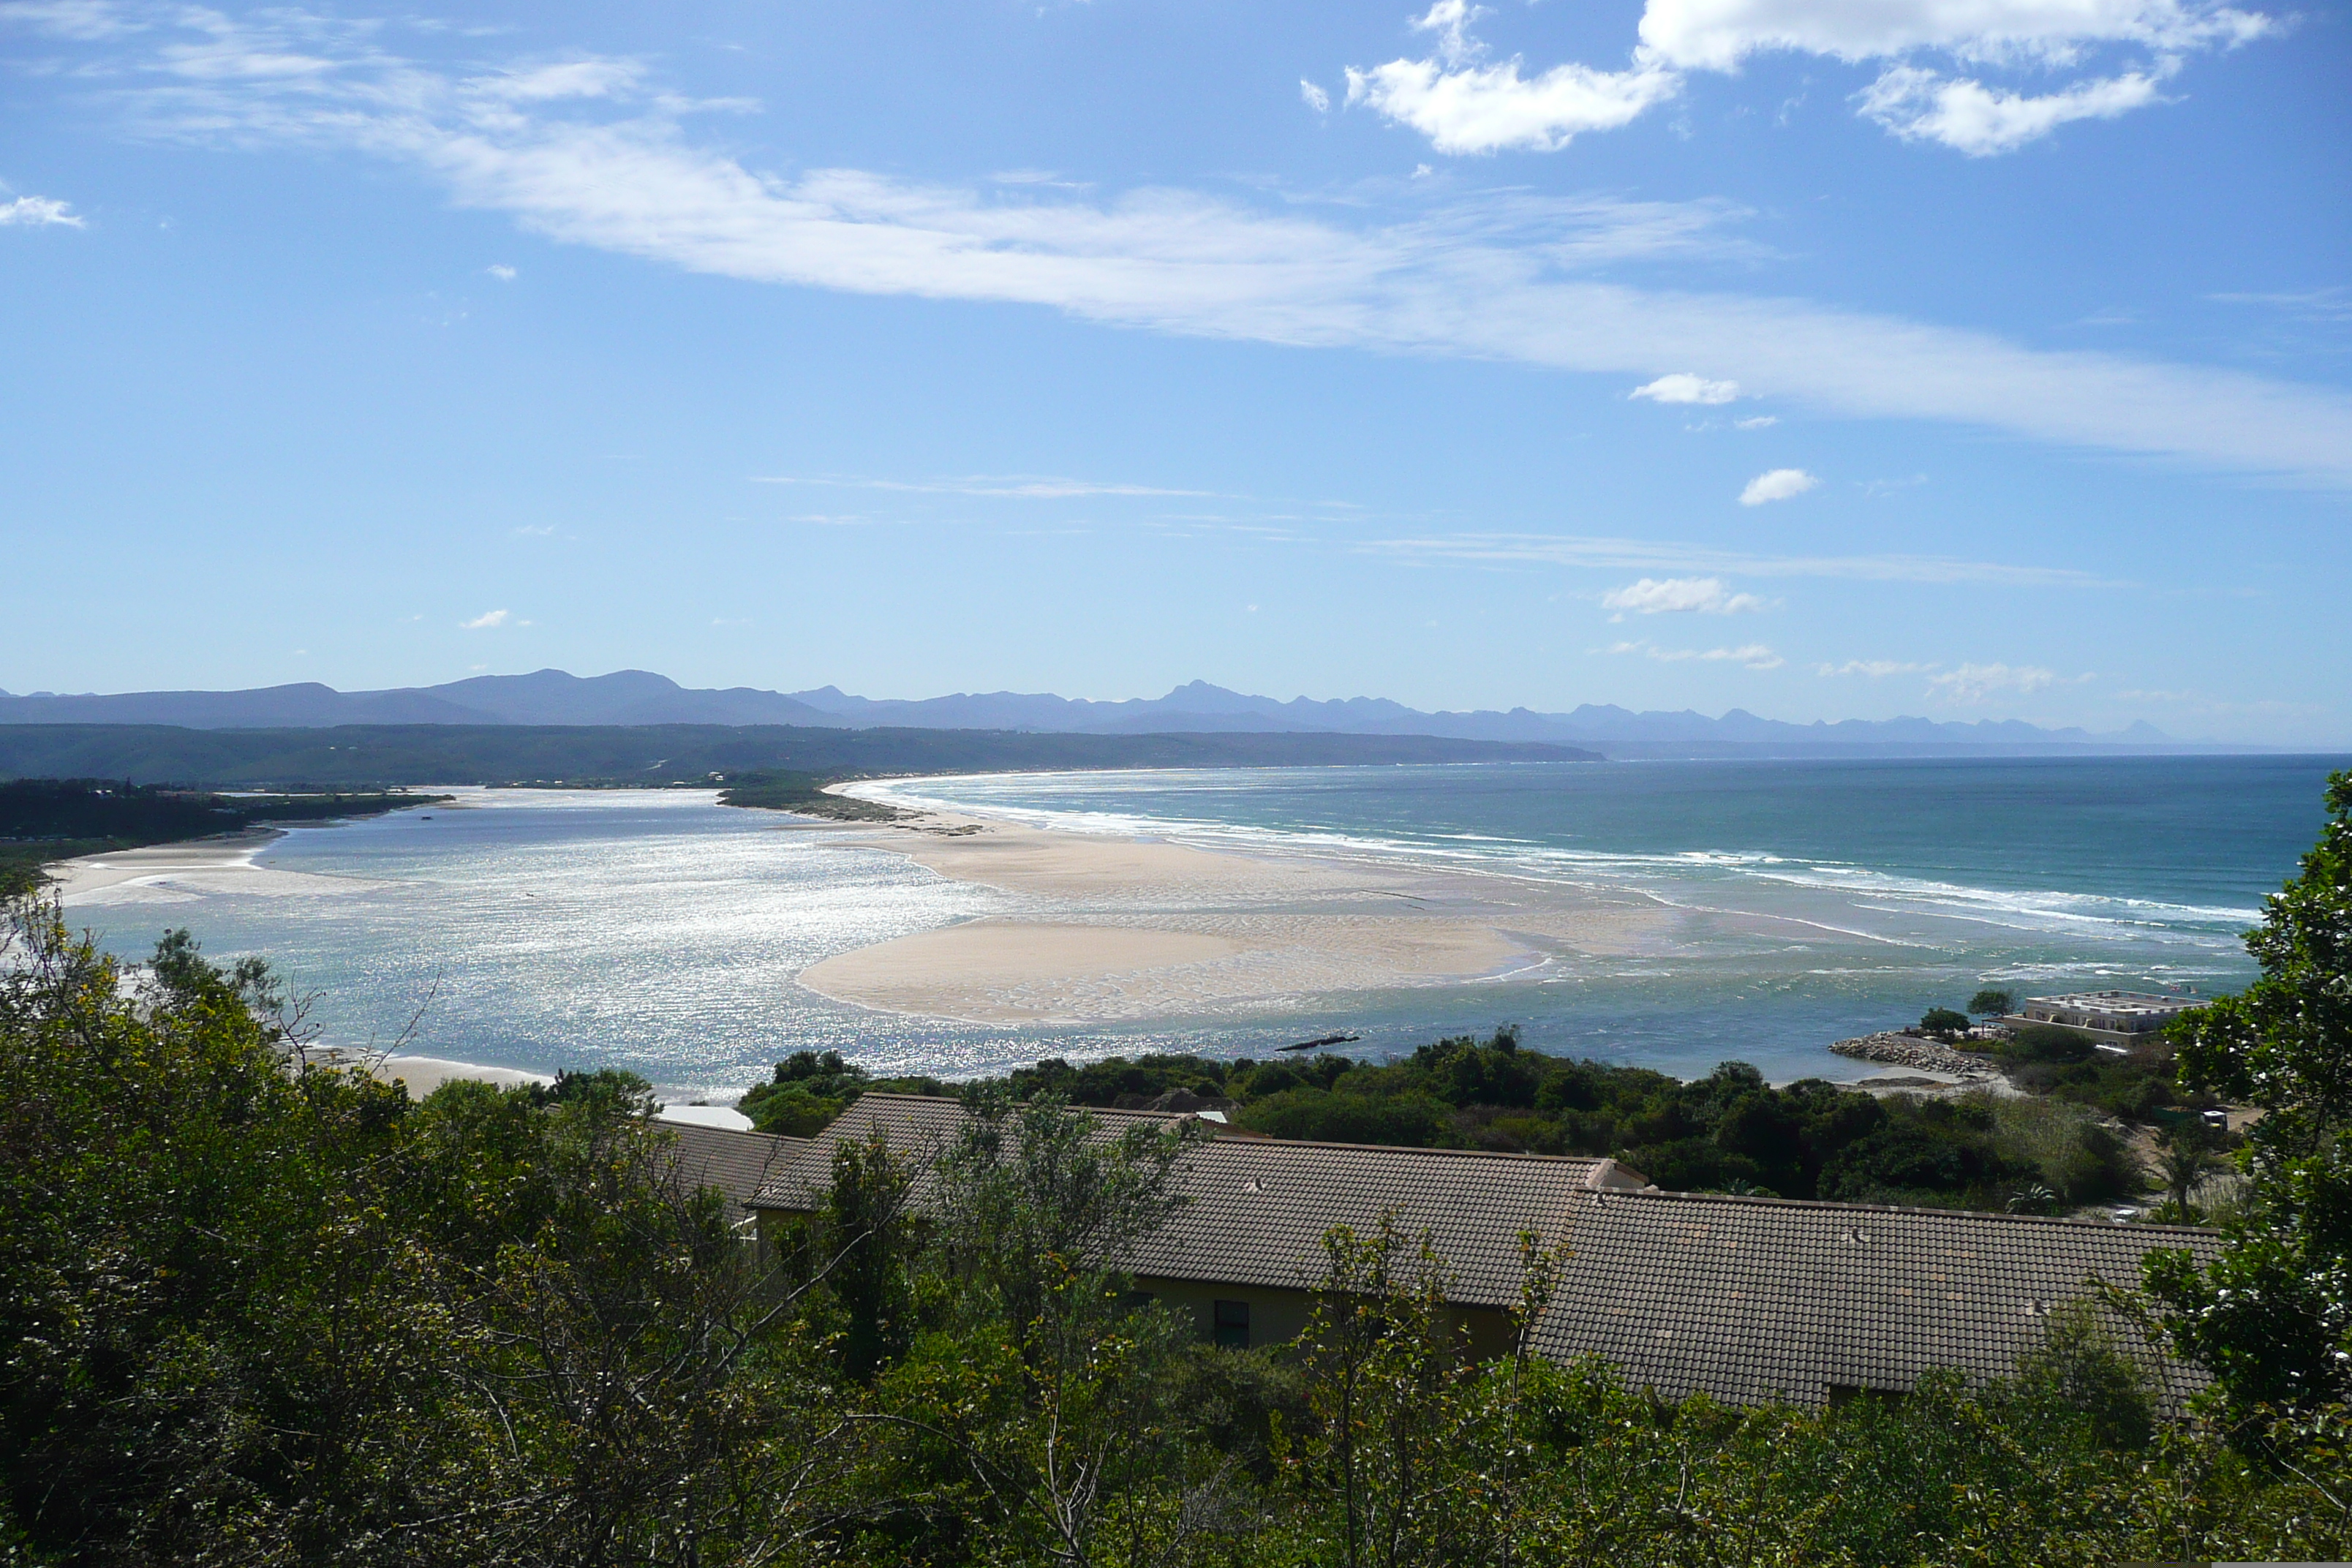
{"x": 2107, "y": 1017}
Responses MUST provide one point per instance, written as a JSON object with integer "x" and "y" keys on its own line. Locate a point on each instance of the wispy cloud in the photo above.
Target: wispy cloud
{"x": 1779, "y": 484}
{"x": 1016, "y": 486}
{"x": 1754, "y": 656}
{"x": 1491, "y": 277}
{"x": 1670, "y": 595}
{"x": 501, "y": 271}
{"x": 38, "y": 212}
{"x": 489, "y": 620}
{"x": 1683, "y": 387}
{"x": 1314, "y": 97}
{"x": 1759, "y": 422}
{"x": 1973, "y": 683}
{"x": 1637, "y": 554}
{"x": 1876, "y": 668}
{"x": 2309, "y": 304}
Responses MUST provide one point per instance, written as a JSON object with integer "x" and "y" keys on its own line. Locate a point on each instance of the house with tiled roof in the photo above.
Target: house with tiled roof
{"x": 1752, "y": 1300}
{"x": 1749, "y": 1300}
{"x": 737, "y": 1164}
{"x": 1244, "y": 1253}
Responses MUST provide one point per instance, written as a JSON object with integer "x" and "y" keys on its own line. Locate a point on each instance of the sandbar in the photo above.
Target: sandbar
{"x": 1120, "y": 930}
{"x": 182, "y": 873}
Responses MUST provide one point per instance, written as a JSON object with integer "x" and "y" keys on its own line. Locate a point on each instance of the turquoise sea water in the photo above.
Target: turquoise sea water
{"x": 659, "y": 931}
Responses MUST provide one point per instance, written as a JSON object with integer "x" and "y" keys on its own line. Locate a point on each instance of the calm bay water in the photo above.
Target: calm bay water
{"x": 659, "y": 931}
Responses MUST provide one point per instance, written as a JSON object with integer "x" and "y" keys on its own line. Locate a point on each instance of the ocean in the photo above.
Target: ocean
{"x": 659, "y": 931}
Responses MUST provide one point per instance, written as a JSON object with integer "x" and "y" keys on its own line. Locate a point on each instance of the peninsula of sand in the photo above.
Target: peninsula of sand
{"x": 1117, "y": 930}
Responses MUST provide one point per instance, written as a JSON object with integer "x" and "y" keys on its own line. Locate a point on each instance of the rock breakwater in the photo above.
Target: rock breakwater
{"x": 1912, "y": 1051}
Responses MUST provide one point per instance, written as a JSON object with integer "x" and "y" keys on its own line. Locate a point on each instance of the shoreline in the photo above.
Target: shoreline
{"x": 186, "y": 870}
{"x": 1124, "y": 930}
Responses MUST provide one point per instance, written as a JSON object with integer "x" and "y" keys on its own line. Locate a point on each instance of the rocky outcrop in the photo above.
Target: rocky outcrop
{"x": 1915, "y": 1051}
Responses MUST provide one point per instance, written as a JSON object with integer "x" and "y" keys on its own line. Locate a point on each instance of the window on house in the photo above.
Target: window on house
{"x": 1231, "y": 1319}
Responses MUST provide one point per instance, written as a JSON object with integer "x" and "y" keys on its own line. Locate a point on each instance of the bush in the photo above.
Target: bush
{"x": 1991, "y": 1003}
{"x": 1414, "y": 1121}
{"x": 1944, "y": 1021}
{"x": 2045, "y": 1043}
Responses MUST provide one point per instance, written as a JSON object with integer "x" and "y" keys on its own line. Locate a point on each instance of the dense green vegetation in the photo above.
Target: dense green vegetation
{"x": 804, "y": 794}
{"x": 2274, "y": 1315}
{"x": 254, "y": 1311}
{"x": 354, "y": 756}
{"x": 1729, "y": 1132}
{"x": 44, "y": 819}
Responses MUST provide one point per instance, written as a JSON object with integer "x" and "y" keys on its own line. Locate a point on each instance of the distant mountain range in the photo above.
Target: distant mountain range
{"x": 636, "y": 697}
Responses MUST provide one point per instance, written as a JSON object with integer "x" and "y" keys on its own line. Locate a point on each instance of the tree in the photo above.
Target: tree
{"x": 2272, "y": 1317}
{"x": 1990, "y": 1001}
{"x": 2185, "y": 1157}
{"x": 1944, "y": 1021}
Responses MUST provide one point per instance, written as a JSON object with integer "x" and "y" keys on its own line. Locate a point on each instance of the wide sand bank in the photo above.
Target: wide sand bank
{"x": 180, "y": 873}
{"x": 1121, "y": 931}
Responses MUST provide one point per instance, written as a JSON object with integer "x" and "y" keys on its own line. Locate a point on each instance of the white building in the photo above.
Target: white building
{"x": 2108, "y": 1017}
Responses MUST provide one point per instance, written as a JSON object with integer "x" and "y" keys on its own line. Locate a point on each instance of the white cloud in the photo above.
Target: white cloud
{"x": 501, "y": 271}
{"x": 1314, "y": 97}
{"x": 1464, "y": 107}
{"x": 1014, "y": 487}
{"x": 1876, "y": 668}
{"x": 486, "y": 621}
{"x": 1779, "y": 484}
{"x": 1717, "y": 34}
{"x": 84, "y": 20}
{"x": 1754, "y": 656}
{"x": 1972, "y": 683}
{"x": 37, "y": 212}
{"x": 1760, "y": 422}
{"x": 1918, "y": 105}
{"x": 1492, "y": 278}
{"x": 1686, "y": 388}
{"x": 1667, "y": 595}
{"x": 1586, "y": 551}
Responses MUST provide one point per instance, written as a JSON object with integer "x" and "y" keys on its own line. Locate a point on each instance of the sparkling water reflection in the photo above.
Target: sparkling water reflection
{"x": 659, "y": 931}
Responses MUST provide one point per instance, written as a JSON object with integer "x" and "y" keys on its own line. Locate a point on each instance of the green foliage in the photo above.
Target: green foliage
{"x": 2045, "y": 1043}
{"x": 807, "y": 1092}
{"x": 44, "y": 820}
{"x": 351, "y": 756}
{"x": 804, "y": 795}
{"x": 1730, "y": 1131}
{"x": 253, "y": 1309}
{"x": 2272, "y": 1316}
{"x": 1944, "y": 1021}
{"x": 254, "y": 1312}
{"x": 1992, "y": 1002}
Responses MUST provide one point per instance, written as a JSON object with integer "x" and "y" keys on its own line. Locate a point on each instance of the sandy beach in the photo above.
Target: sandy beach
{"x": 1126, "y": 930}
{"x": 183, "y": 872}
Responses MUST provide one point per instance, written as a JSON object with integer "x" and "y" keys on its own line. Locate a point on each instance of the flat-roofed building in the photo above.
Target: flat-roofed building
{"x": 2108, "y": 1017}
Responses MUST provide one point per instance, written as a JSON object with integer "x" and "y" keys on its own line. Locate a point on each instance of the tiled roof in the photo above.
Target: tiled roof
{"x": 919, "y": 1128}
{"x": 1750, "y": 1299}
{"x": 1257, "y": 1209}
{"x": 737, "y": 1164}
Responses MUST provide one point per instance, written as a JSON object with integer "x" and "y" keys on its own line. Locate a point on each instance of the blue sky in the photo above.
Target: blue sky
{"x": 1825, "y": 358}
